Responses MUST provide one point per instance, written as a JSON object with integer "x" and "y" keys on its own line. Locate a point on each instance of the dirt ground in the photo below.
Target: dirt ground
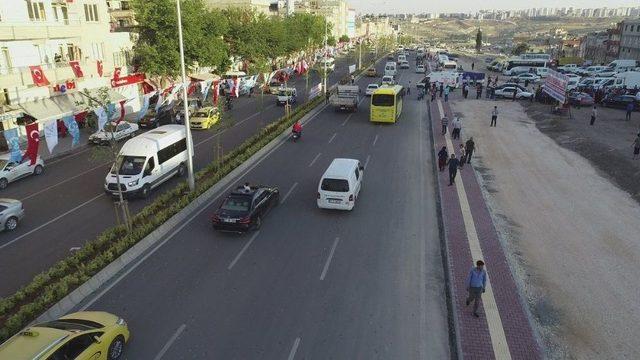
{"x": 572, "y": 234}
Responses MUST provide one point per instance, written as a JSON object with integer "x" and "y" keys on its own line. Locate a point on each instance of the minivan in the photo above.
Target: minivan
{"x": 390, "y": 69}
{"x": 340, "y": 184}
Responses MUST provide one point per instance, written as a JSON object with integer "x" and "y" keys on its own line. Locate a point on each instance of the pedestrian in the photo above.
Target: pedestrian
{"x": 433, "y": 95}
{"x": 515, "y": 94}
{"x": 470, "y": 146}
{"x": 444, "y": 122}
{"x": 453, "y": 168}
{"x": 442, "y": 158}
{"x": 636, "y": 146}
{"x": 457, "y": 125}
{"x": 473, "y": 64}
{"x": 327, "y": 95}
{"x": 494, "y": 117}
{"x": 495, "y": 82}
{"x": 476, "y": 285}
{"x": 446, "y": 93}
{"x": 409, "y": 88}
{"x": 353, "y": 79}
{"x": 479, "y": 91}
{"x": 441, "y": 89}
{"x": 594, "y": 114}
{"x": 463, "y": 156}
{"x": 629, "y": 110}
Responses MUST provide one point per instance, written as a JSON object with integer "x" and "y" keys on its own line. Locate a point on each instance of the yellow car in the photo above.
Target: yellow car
{"x": 204, "y": 118}
{"x": 87, "y": 335}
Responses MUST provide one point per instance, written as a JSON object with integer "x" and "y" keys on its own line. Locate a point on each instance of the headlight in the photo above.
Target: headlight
{"x": 121, "y": 322}
{"x": 133, "y": 183}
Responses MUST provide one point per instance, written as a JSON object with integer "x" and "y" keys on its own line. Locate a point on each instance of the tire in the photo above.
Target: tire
{"x": 38, "y": 170}
{"x": 258, "y": 223}
{"x": 116, "y": 348}
{"x": 182, "y": 170}
{"x": 11, "y": 224}
{"x": 4, "y": 183}
{"x": 144, "y": 193}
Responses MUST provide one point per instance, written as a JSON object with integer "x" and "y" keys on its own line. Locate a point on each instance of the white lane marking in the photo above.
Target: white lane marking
{"x": 366, "y": 162}
{"x": 423, "y": 271}
{"x": 170, "y": 342}
{"x": 234, "y": 125}
{"x": 244, "y": 248}
{"x": 333, "y": 137}
{"x": 51, "y": 221}
{"x": 326, "y": 265}
{"x": 187, "y": 222}
{"x": 346, "y": 120}
{"x": 74, "y": 248}
{"x": 294, "y": 349}
{"x": 361, "y": 99}
{"x": 375, "y": 140}
{"x": 314, "y": 159}
{"x": 288, "y": 193}
{"x": 496, "y": 331}
{"x": 65, "y": 181}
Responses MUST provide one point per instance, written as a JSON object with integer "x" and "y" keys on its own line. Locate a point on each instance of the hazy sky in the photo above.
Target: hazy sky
{"x": 419, "y": 6}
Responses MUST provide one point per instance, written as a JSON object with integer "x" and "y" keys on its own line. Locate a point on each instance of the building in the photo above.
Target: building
{"x": 258, "y": 5}
{"x": 43, "y": 39}
{"x": 630, "y": 40}
{"x": 121, "y": 15}
{"x": 335, "y": 11}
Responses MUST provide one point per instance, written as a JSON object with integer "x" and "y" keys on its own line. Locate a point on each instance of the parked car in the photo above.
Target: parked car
{"x": 204, "y": 118}
{"x": 421, "y": 69}
{"x": 243, "y": 210}
{"x": 116, "y": 131}
{"x": 11, "y": 212}
{"x": 507, "y": 92}
{"x": 371, "y": 88}
{"x": 164, "y": 116}
{"x": 11, "y": 171}
{"x": 619, "y": 101}
{"x": 193, "y": 105}
{"x": 580, "y": 99}
{"x": 510, "y": 84}
{"x": 520, "y": 78}
{"x": 371, "y": 72}
{"x": 287, "y": 96}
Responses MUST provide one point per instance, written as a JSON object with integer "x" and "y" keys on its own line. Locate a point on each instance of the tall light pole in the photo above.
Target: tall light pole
{"x": 360, "y": 55}
{"x": 190, "y": 180}
{"x": 324, "y": 81}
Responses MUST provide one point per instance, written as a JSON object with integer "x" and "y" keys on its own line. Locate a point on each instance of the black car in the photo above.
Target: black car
{"x": 620, "y": 101}
{"x": 243, "y": 210}
{"x": 164, "y": 116}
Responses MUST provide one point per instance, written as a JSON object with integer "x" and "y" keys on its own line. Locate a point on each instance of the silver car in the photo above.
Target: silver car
{"x": 11, "y": 171}
{"x": 11, "y": 212}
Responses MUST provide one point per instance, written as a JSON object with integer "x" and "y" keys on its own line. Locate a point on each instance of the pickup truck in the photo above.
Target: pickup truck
{"x": 346, "y": 97}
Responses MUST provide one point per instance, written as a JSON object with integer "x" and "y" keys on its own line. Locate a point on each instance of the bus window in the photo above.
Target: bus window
{"x": 383, "y": 100}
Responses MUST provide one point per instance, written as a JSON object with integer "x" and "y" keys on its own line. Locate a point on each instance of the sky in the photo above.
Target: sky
{"x": 427, "y": 6}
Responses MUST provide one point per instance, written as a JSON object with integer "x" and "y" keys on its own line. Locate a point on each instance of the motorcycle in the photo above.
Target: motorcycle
{"x": 228, "y": 105}
{"x": 295, "y": 135}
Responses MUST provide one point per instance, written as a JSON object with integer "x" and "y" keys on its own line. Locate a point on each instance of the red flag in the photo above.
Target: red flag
{"x": 191, "y": 88}
{"x": 33, "y": 141}
{"x": 147, "y": 88}
{"x": 121, "y": 111}
{"x": 99, "y": 63}
{"x": 216, "y": 92}
{"x": 75, "y": 66}
{"x": 236, "y": 91}
{"x": 116, "y": 73}
{"x": 38, "y": 76}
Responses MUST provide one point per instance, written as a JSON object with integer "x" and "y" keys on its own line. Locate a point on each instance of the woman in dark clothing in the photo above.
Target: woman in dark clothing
{"x": 442, "y": 158}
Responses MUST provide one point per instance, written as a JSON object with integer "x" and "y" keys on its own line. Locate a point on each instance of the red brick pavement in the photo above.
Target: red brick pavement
{"x": 473, "y": 333}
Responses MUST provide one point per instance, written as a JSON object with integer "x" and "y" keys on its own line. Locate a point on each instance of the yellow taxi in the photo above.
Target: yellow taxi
{"x": 204, "y": 118}
{"x": 87, "y": 335}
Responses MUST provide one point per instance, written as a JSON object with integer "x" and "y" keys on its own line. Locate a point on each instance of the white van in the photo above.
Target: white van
{"x": 543, "y": 72}
{"x": 340, "y": 184}
{"x": 450, "y": 65}
{"x": 148, "y": 160}
{"x": 402, "y": 58}
{"x": 390, "y": 69}
{"x": 623, "y": 65}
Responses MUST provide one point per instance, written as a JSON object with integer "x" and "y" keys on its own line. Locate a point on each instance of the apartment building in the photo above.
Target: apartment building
{"x": 258, "y": 5}
{"x": 45, "y": 38}
{"x": 630, "y": 40}
{"x": 335, "y": 11}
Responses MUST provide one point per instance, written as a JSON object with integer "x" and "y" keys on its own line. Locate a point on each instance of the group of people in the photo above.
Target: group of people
{"x": 444, "y": 159}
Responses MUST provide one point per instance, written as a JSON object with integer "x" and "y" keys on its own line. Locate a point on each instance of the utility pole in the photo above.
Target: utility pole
{"x": 324, "y": 85}
{"x": 187, "y": 123}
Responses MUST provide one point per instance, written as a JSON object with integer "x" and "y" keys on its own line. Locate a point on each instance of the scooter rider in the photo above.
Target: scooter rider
{"x": 297, "y": 128}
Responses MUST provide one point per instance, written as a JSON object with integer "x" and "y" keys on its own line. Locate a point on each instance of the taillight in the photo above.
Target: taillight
{"x": 245, "y": 220}
{"x": 318, "y": 196}
{"x": 351, "y": 197}
{"x": 215, "y": 218}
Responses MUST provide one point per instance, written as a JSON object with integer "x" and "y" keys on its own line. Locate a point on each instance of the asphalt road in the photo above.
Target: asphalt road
{"x": 311, "y": 284}
{"x": 67, "y": 207}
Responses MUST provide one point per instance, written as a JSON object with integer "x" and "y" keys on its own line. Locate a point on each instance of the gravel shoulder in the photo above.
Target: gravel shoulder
{"x": 568, "y": 225}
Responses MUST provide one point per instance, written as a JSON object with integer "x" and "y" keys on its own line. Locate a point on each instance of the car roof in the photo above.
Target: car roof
{"x": 9, "y": 201}
{"x": 32, "y": 343}
{"x": 340, "y": 167}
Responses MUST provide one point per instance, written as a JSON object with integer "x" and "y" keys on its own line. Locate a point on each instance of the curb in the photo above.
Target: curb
{"x": 454, "y": 333}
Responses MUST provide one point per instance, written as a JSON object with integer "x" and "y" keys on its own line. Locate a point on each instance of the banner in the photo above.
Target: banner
{"x": 126, "y": 80}
{"x": 159, "y": 102}
{"x": 13, "y": 141}
{"x": 122, "y": 111}
{"x": 100, "y": 68}
{"x": 205, "y": 86}
{"x": 51, "y": 134}
{"x": 216, "y": 92}
{"x": 236, "y": 88}
{"x": 145, "y": 105}
{"x": 315, "y": 91}
{"x": 352, "y": 69}
{"x": 33, "y": 142}
{"x": 77, "y": 70}
{"x": 38, "y": 76}
{"x": 72, "y": 126}
{"x": 101, "y": 113}
{"x": 555, "y": 84}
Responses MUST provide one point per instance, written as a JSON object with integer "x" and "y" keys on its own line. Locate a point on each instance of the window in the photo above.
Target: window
{"x": 336, "y": 185}
{"x": 36, "y": 10}
{"x": 260, "y": 198}
{"x": 383, "y": 100}
{"x": 150, "y": 165}
{"x": 60, "y": 12}
{"x": 74, "y": 347}
{"x": 357, "y": 174}
{"x": 91, "y": 12}
{"x": 172, "y": 150}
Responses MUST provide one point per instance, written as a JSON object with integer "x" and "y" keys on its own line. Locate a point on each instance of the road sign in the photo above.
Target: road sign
{"x": 556, "y": 85}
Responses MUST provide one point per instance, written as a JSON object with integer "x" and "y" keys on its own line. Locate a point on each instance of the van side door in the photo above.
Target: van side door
{"x": 358, "y": 183}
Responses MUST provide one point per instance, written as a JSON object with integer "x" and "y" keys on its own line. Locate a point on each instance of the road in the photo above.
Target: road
{"x": 67, "y": 207}
{"x": 311, "y": 284}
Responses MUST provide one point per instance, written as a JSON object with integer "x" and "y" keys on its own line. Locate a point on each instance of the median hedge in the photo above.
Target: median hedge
{"x": 50, "y": 286}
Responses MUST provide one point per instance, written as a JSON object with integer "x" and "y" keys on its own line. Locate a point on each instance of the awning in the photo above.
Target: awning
{"x": 57, "y": 107}
{"x": 204, "y": 77}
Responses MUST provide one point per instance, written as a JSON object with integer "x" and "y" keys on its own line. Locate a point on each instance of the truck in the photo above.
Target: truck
{"x": 346, "y": 97}
{"x": 628, "y": 79}
{"x": 623, "y": 65}
{"x": 450, "y": 78}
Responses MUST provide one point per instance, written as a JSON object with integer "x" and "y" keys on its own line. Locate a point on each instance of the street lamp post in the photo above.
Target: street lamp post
{"x": 324, "y": 81}
{"x": 187, "y": 127}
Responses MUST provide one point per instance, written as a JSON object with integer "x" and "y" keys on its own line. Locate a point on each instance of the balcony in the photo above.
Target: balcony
{"x": 40, "y": 30}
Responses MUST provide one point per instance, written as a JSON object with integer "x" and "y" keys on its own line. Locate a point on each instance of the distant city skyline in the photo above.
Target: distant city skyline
{"x": 466, "y": 6}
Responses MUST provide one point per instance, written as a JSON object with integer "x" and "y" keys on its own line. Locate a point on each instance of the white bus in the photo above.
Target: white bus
{"x": 515, "y": 66}
{"x": 449, "y": 65}
{"x": 148, "y": 160}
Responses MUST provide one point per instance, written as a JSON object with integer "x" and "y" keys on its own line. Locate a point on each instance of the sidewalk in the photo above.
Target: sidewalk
{"x": 503, "y": 330}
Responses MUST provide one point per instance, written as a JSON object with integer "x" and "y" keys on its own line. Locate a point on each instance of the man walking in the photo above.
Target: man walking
{"x": 446, "y": 93}
{"x": 479, "y": 91}
{"x": 594, "y": 113}
{"x": 441, "y": 89}
{"x": 473, "y": 64}
{"x": 470, "y": 146}
{"x": 457, "y": 125}
{"x": 476, "y": 285}
{"x": 636, "y": 147}
{"x": 629, "y": 110}
{"x": 494, "y": 117}
{"x": 444, "y": 122}
{"x": 453, "y": 167}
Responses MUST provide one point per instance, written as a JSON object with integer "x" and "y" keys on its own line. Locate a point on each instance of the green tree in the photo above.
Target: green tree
{"x": 344, "y": 38}
{"x": 520, "y": 49}
{"x": 478, "y": 40}
{"x": 331, "y": 40}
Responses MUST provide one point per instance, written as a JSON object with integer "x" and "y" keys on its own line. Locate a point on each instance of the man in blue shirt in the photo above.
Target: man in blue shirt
{"x": 476, "y": 283}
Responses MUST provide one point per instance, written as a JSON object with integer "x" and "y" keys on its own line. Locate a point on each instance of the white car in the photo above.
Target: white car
{"x": 388, "y": 80}
{"x": 421, "y": 69}
{"x": 507, "y": 92}
{"x": 606, "y": 73}
{"x": 11, "y": 171}
{"x": 371, "y": 88}
{"x": 404, "y": 64}
{"x": 526, "y": 76}
{"x": 116, "y": 131}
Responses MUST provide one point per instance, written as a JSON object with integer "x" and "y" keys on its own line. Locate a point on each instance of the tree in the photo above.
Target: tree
{"x": 520, "y": 49}
{"x": 331, "y": 40}
{"x": 344, "y": 39}
{"x": 478, "y": 40}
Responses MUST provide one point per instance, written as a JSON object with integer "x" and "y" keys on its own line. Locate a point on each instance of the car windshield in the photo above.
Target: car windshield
{"x": 383, "y": 100}
{"x": 236, "y": 203}
{"x": 129, "y": 165}
{"x": 201, "y": 114}
{"x": 335, "y": 185}
{"x": 373, "y": 86}
{"x": 285, "y": 93}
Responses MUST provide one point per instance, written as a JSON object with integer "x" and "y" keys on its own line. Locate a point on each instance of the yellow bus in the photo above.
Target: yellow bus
{"x": 386, "y": 104}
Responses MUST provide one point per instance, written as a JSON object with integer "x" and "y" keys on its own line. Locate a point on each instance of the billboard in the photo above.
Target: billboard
{"x": 556, "y": 85}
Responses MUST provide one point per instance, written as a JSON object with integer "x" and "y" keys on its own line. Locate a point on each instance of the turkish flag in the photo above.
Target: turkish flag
{"x": 236, "y": 90}
{"x": 116, "y": 73}
{"x": 75, "y": 66}
{"x": 216, "y": 92}
{"x": 99, "y": 63}
{"x": 121, "y": 111}
{"x": 33, "y": 142}
{"x": 147, "y": 88}
{"x": 192, "y": 88}
{"x": 38, "y": 76}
